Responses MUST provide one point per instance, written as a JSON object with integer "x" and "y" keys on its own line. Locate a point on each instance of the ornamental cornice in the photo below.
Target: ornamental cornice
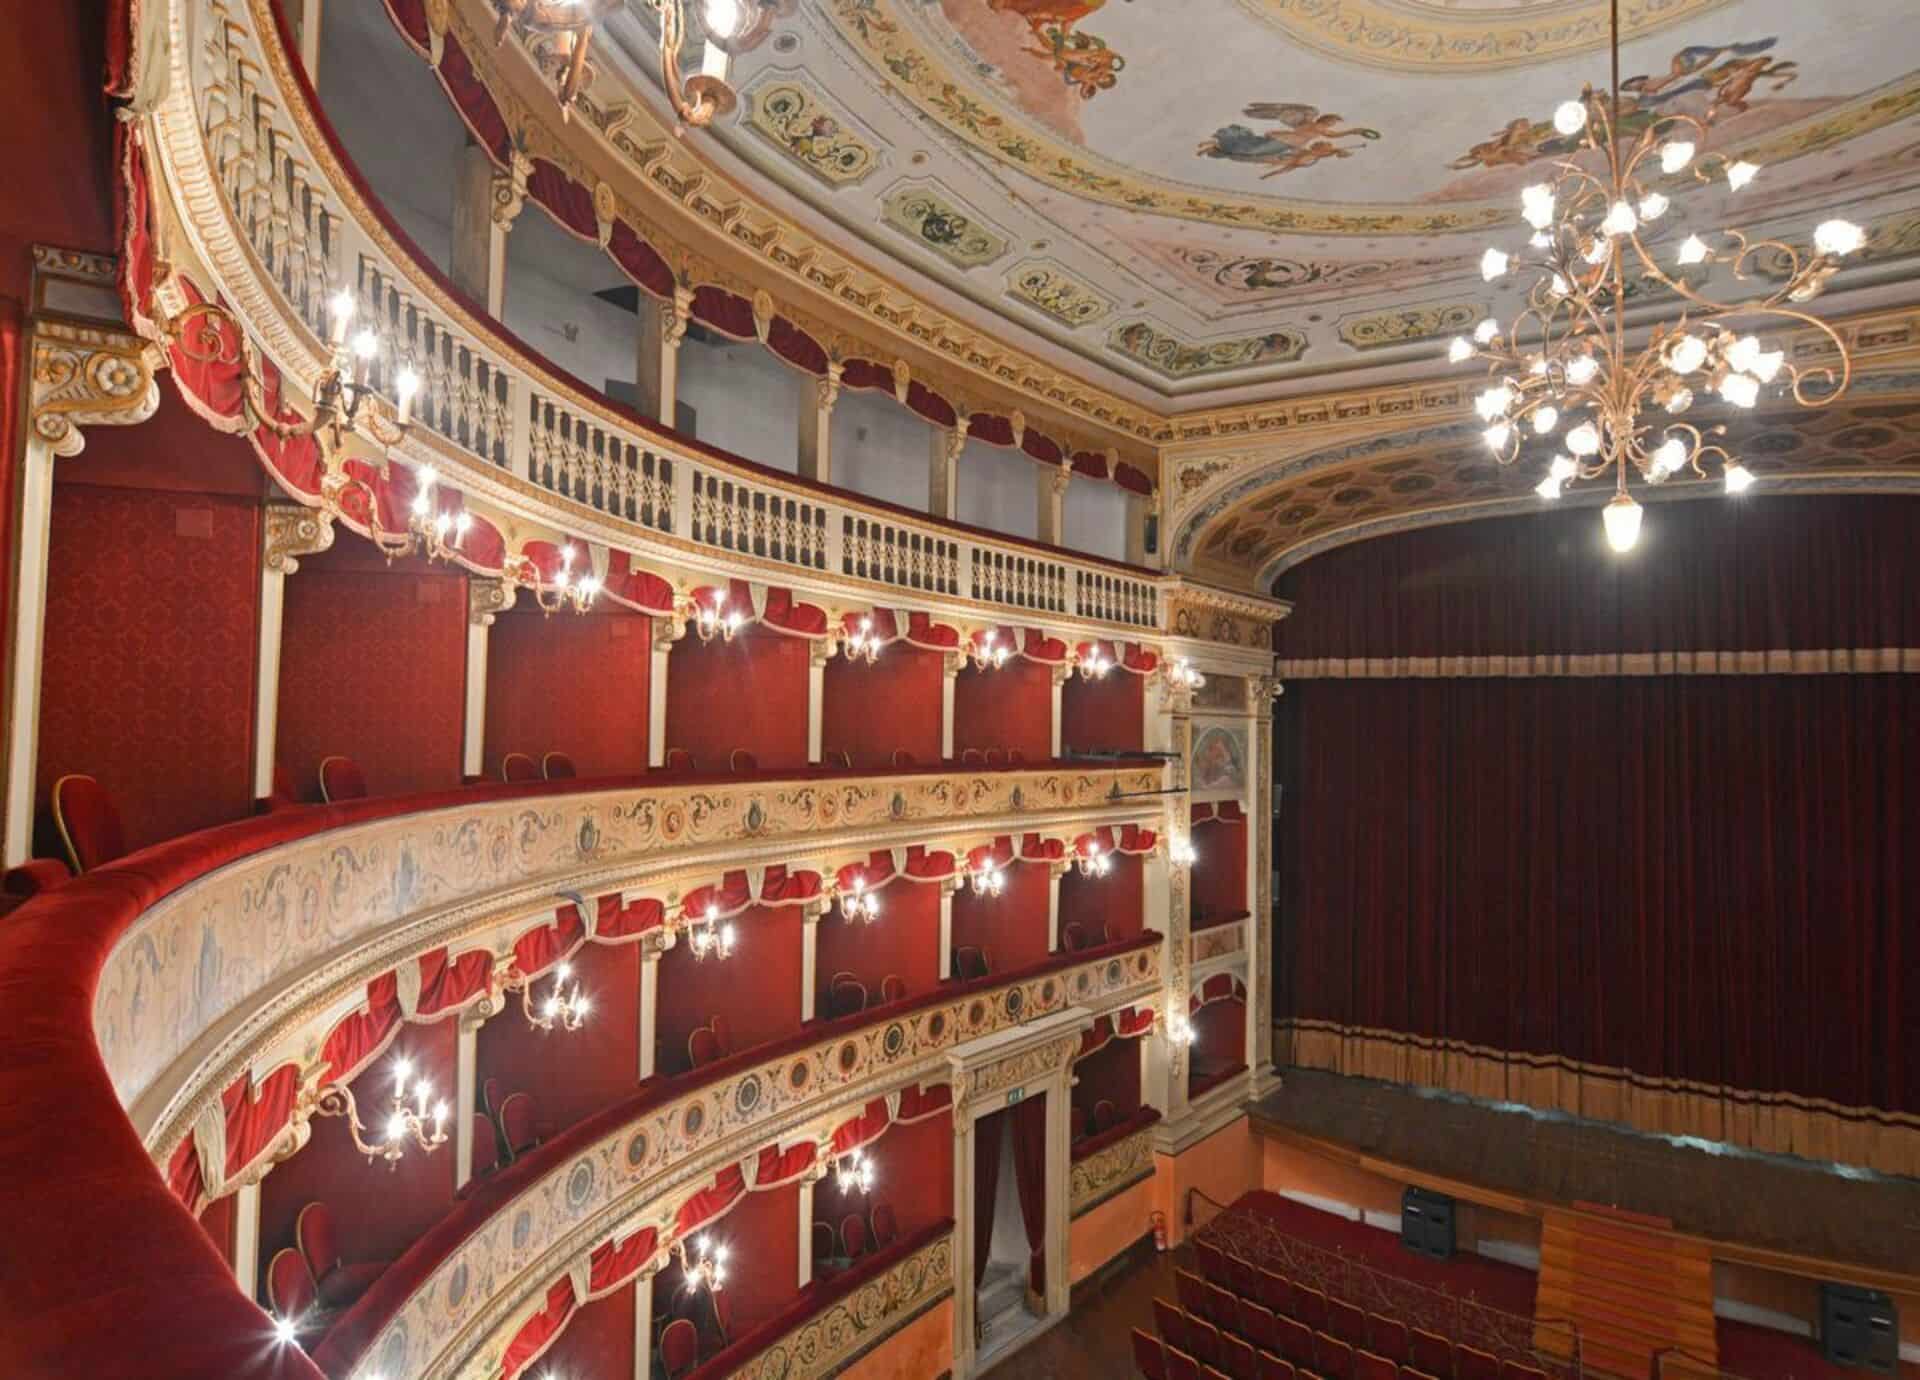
{"x": 293, "y": 530}
{"x": 87, "y": 376}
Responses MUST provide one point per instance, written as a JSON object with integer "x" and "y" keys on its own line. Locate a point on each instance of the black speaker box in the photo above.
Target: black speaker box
{"x": 1859, "y": 1327}
{"x": 1426, "y": 1223}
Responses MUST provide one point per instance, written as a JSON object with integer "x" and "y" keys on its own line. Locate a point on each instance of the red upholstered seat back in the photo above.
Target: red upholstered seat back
{"x": 290, "y": 1287}
{"x": 486, "y": 1149}
{"x": 972, "y": 757}
{"x": 1275, "y": 1367}
{"x": 1388, "y": 1336}
{"x": 88, "y": 821}
{"x": 893, "y": 987}
{"x": 1368, "y": 1366}
{"x": 994, "y": 757}
{"x": 1181, "y": 1366}
{"x": 824, "y": 1246}
{"x": 679, "y": 1347}
{"x": 740, "y": 762}
{"x": 1170, "y": 1322}
{"x": 902, "y": 758}
{"x": 557, "y": 766}
{"x": 1148, "y": 1357}
{"x": 341, "y": 779}
{"x": 703, "y": 1047}
{"x": 885, "y": 1228}
{"x": 516, "y": 1121}
{"x": 1431, "y": 1352}
{"x": 1073, "y": 936}
{"x": 1104, "y": 1115}
{"x": 679, "y": 759}
{"x": 847, "y": 997}
{"x": 1240, "y": 1362}
{"x": 517, "y": 767}
{"x": 319, "y": 1242}
{"x": 1016, "y": 758}
{"x": 1346, "y": 1322}
{"x": 853, "y": 1234}
{"x": 970, "y": 961}
{"x": 722, "y": 1034}
{"x": 1471, "y": 1363}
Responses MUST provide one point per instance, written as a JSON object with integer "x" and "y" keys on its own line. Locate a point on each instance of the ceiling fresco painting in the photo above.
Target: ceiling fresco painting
{"x": 1207, "y": 202}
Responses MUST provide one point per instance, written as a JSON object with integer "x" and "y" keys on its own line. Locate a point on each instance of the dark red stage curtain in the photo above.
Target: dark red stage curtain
{"x": 373, "y": 666}
{"x": 904, "y": 941}
{"x": 572, "y": 1073}
{"x": 986, "y": 1187}
{"x": 1030, "y": 1175}
{"x": 1109, "y": 713}
{"x": 1011, "y": 707}
{"x": 153, "y": 603}
{"x": 598, "y": 1340}
{"x": 757, "y": 991}
{"x": 569, "y": 684}
{"x": 762, "y": 1236}
{"x": 869, "y": 711}
{"x": 1759, "y": 574}
{"x": 1219, "y": 876}
{"x": 379, "y": 1211}
{"x": 749, "y": 693}
{"x": 1115, "y": 901}
{"x": 1707, "y": 878}
{"x": 1011, "y": 927}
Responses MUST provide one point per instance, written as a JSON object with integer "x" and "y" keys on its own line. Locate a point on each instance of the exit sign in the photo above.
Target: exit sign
{"x": 1015, "y": 1096}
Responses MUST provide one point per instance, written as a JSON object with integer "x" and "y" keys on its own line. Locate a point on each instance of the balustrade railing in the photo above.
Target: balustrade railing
{"x": 497, "y": 407}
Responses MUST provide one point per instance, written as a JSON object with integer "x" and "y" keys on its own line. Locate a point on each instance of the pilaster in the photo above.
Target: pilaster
{"x": 950, "y": 665}
{"x": 288, "y": 531}
{"x": 943, "y": 472}
{"x": 819, "y": 654}
{"x": 486, "y": 203}
{"x": 665, "y": 632}
{"x": 816, "y": 426}
{"x": 663, "y": 326}
{"x": 1051, "y": 497}
{"x": 485, "y": 598}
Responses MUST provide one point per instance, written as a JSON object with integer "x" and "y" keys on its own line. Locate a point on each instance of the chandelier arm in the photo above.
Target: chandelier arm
{"x": 699, "y": 112}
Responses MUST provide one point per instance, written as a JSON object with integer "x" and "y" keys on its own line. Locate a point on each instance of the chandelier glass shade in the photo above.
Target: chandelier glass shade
{"x": 1568, "y": 383}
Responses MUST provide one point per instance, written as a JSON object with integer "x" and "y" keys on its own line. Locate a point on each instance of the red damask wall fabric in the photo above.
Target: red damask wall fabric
{"x": 1112, "y": 1073}
{"x": 569, "y": 683}
{"x": 572, "y": 1073}
{"x": 913, "y": 1172}
{"x": 894, "y": 703}
{"x": 762, "y": 1237}
{"x": 749, "y": 693}
{"x": 152, "y": 603}
{"x": 379, "y": 1211}
{"x": 757, "y": 991}
{"x": 1109, "y": 713}
{"x": 1011, "y": 927}
{"x": 905, "y": 940}
{"x": 1219, "y": 885}
{"x": 1010, "y": 707}
{"x": 598, "y": 1341}
{"x": 1758, "y": 574}
{"x": 1708, "y": 878}
{"x": 373, "y": 665}
{"x": 1115, "y": 900}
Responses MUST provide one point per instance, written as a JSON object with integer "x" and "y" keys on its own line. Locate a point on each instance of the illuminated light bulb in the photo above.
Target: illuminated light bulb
{"x": 1498, "y": 435}
{"x": 1540, "y": 239}
{"x": 1493, "y": 402}
{"x": 1493, "y": 264}
{"x": 1837, "y": 237}
{"x": 1486, "y": 331}
{"x": 426, "y": 476}
{"x": 462, "y": 523}
{"x": 1739, "y": 477}
{"x": 1621, "y": 517}
{"x": 1675, "y": 154}
{"x": 1570, "y": 117}
{"x": 1670, "y": 456}
{"x": 1620, "y": 220}
{"x": 1536, "y": 205}
{"x": 1548, "y": 487}
{"x": 1693, "y": 250}
{"x": 1562, "y": 469}
{"x": 441, "y": 523}
{"x": 1599, "y": 249}
{"x": 1545, "y": 419}
{"x": 396, "y": 1128}
{"x": 1686, "y": 354}
{"x": 283, "y": 1331}
{"x": 1766, "y": 365}
{"x": 1538, "y": 366}
{"x": 1679, "y": 400}
{"x": 722, "y": 17}
{"x": 1584, "y": 439}
{"x": 1460, "y": 351}
{"x": 1742, "y": 390}
{"x": 366, "y": 345}
{"x": 1581, "y": 369}
{"x": 421, "y": 505}
{"x": 341, "y": 305}
{"x": 402, "y": 1071}
{"x": 1653, "y": 206}
{"x": 1558, "y": 287}
{"x": 407, "y": 385}
{"x": 589, "y": 586}
{"x": 1743, "y": 352}
{"x": 1741, "y": 173}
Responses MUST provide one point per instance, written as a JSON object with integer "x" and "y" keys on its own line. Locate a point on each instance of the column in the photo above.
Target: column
{"x": 964, "y": 1136}
{"x": 1261, "y": 693}
{"x": 466, "y": 1063}
{"x": 1176, "y": 951}
{"x": 821, "y": 652}
{"x": 1140, "y": 511}
{"x": 813, "y": 1176}
{"x": 650, "y": 954}
{"x": 1051, "y": 496}
{"x": 1155, "y": 1048}
{"x": 816, "y": 427}
{"x": 1059, "y": 1187}
{"x": 810, "y": 956}
{"x": 486, "y": 202}
{"x": 288, "y": 531}
{"x": 663, "y": 325}
{"x": 80, "y": 377}
{"x": 943, "y": 472}
{"x": 1055, "y": 871}
{"x": 950, "y": 666}
{"x": 666, "y": 632}
{"x": 246, "y": 1237}
{"x": 485, "y": 598}
{"x": 643, "y": 1324}
{"x": 1060, "y": 674}
{"x": 947, "y": 889}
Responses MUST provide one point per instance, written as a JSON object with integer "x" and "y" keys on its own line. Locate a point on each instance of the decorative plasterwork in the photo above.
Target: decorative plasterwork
{"x": 1406, "y": 325}
{"x": 927, "y": 214}
{"x": 798, "y": 122}
{"x": 1105, "y": 1172}
{"x": 1047, "y": 287}
{"x": 827, "y": 1341}
{"x": 86, "y": 376}
{"x": 294, "y": 530}
{"x": 1178, "y": 359}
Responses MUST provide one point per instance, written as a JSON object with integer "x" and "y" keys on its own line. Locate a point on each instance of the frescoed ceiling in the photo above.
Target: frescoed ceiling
{"x": 1202, "y": 202}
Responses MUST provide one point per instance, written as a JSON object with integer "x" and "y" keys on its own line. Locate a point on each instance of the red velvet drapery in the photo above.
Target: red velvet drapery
{"x": 986, "y": 1188}
{"x": 1030, "y": 1175}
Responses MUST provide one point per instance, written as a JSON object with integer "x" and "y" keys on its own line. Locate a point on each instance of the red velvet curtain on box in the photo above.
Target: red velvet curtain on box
{"x": 986, "y": 1189}
{"x": 1030, "y": 1175}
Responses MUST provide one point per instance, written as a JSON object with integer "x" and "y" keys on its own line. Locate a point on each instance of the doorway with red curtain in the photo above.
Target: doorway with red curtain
{"x": 1009, "y": 1222}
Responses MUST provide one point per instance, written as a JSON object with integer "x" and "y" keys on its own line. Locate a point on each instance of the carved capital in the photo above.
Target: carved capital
{"x": 952, "y": 663}
{"x": 486, "y": 597}
{"x": 510, "y": 188}
{"x": 1062, "y": 476}
{"x": 826, "y": 391}
{"x": 674, "y": 317}
{"x": 292, "y": 531}
{"x": 88, "y": 377}
{"x": 666, "y": 632}
{"x": 1061, "y": 673}
{"x": 605, "y": 210}
{"x": 762, "y": 314}
{"x": 1262, "y": 691}
{"x": 1019, "y": 424}
{"x": 902, "y": 380}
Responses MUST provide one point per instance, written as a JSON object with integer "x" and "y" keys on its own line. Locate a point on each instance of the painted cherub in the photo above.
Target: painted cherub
{"x": 1306, "y": 121}
{"x": 1517, "y": 142}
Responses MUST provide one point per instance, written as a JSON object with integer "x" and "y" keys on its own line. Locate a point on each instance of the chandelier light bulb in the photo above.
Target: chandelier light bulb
{"x": 366, "y": 345}
{"x": 1562, "y": 469}
{"x": 1570, "y": 117}
{"x": 1670, "y": 456}
{"x": 1460, "y": 350}
{"x": 1599, "y": 249}
{"x": 1742, "y": 390}
{"x": 1621, "y": 517}
{"x": 1766, "y": 365}
{"x": 1548, "y": 487}
{"x": 1678, "y": 400}
{"x": 341, "y": 305}
{"x": 1739, "y": 477}
{"x": 462, "y": 523}
{"x": 396, "y": 1128}
{"x": 1493, "y": 402}
{"x": 1545, "y": 419}
{"x": 1581, "y": 369}
{"x": 1837, "y": 237}
{"x": 1539, "y": 239}
{"x": 1741, "y": 173}
{"x": 1536, "y": 205}
{"x": 1558, "y": 286}
{"x": 1675, "y": 154}
{"x": 1498, "y": 435}
{"x": 1743, "y": 352}
{"x": 1693, "y": 250}
{"x": 1584, "y": 439}
{"x": 1686, "y": 354}
{"x": 1493, "y": 264}
{"x": 1486, "y": 331}
{"x": 1620, "y": 219}
{"x": 722, "y": 18}
{"x": 1653, "y": 206}
{"x": 283, "y": 1332}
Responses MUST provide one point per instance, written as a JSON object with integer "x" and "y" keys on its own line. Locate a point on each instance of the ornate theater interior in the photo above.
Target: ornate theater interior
{"x": 1247, "y": 741}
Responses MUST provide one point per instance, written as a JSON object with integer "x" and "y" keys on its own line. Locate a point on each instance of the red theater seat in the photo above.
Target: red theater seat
{"x": 741, "y": 762}
{"x": 679, "y": 759}
{"x": 972, "y": 757}
{"x": 557, "y": 766}
{"x": 1181, "y": 1366}
{"x": 1258, "y": 1325}
{"x": 517, "y": 767}
{"x": 1336, "y": 1356}
{"x": 1513, "y": 1370}
{"x": 993, "y": 757}
{"x": 1149, "y": 1358}
{"x": 338, "y": 1283}
{"x": 1245, "y": 1280}
{"x": 1240, "y": 1361}
{"x": 1430, "y": 1352}
{"x": 971, "y": 962}
{"x": 1073, "y": 937}
{"x": 902, "y": 758}
{"x": 1369, "y": 1366}
{"x": 516, "y": 1124}
{"x": 1346, "y": 1322}
{"x": 341, "y": 779}
{"x": 1082, "y": 1124}
{"x": 486, "y": 1145}
{"x": 1310, "y": 1306}
{"x": 1275, "y": 1367}
{"x": 825, "y": 1248}
{"x": 89, "y": 823}
{"x": 1192, "y": 1291}
{"x": 885, "y": 1229}
{"x": 1213, "y": 1261}
{"x": 679, "y": 1348}
{"x": 853, "y": 1235}
{"x": 1205, "y": 1338}
{"x": 1275, "y": 1292}
{"x": 1388, "y": 1337}
{"x": 1471, "y": 1363}
{"x": 893, "y": 988}
{"x": 290, "y": 1291}
{"x": 1105, "y": 1115}
{"x": 703, "y": 1047}
{"x": 1171, "y": 1323}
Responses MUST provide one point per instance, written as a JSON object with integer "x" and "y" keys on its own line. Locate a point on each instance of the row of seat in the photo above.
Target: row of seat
{"x": 848, "y": 996}
{"x": 836, "y": 1247}
{"x": 309, "y": 1282}
{"x": 1104, "y": 1117}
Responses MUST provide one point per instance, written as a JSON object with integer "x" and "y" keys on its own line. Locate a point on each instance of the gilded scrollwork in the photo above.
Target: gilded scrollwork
{"x": 1118, "y": 1165}
{"x": 824, "y": 1343}
{"x": 293, "y": 530}
{"x": 83, "y": 376}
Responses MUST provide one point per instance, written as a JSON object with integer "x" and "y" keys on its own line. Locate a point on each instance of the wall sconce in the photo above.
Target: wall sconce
{"x": 859, "y": 903}
{"x": 408, "y": 1121}
{"x": 564, "y": 592}
{"x": 707, "y": 936}
{"x": 710, "y": 1270}
{"x": 854, "y": 1173}
{"x": 861, "y": 644}
{"x": 717, "y": 621}
{"x": 988, "y": 879}
{"x": 1181, "y": 852}
{"x": 565, "y": 1007}
{"x": 1180, "y": 1031}
{"x": 1094, "y": 667}
{"x": 1094, "y": 862}
{"x": 988, "y": 653}
{"x": 1181, "y": 675}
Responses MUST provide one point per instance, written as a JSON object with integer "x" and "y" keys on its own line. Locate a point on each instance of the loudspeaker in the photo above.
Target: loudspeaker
{"x": 1859, "y": 1327}
{"x": 1426, "y": 1223}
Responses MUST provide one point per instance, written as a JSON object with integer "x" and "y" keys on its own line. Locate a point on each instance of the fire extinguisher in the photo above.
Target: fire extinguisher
{"x": 1159, "y": 1220}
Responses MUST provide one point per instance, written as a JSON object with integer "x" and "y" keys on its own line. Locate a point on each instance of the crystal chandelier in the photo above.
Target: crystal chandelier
{"x": 857, "y": 903}
{"x": 988, "y": 652}
{"x": 414, "y": 1117}
{"x": 707, "y": 936}
{"x": 854, "y": 1173}
{"x": 1094, "y": 862}
{"x": 1564, "y": 366}
{"x": 718, "y": 621}
{"x": 861, "y": 644}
